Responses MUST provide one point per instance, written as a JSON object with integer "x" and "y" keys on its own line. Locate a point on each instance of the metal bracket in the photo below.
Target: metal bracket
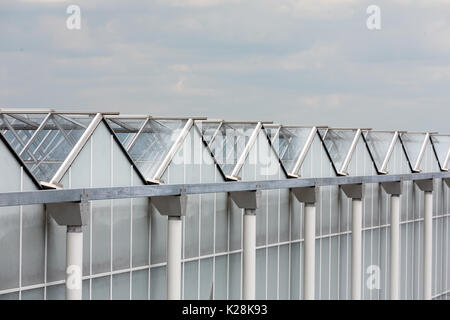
{"x": 392, "y": 187}
{"x": 305, "y": 194}
{"x": 354, "y": 191}
{"x": 69, "y": 213}
{"x": 174, "y": 206}
{"x": 425, "y": 185}
{"x": 246, "y": 199}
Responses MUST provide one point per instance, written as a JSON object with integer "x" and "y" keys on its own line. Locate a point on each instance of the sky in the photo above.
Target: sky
{"x": 295, "y": 62}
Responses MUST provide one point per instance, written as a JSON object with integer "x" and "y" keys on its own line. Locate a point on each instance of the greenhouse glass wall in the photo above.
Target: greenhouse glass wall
{"x": 260, "y": 210}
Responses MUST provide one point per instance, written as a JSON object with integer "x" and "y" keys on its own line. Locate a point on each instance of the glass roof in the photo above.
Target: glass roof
{"x": 413, "y": 144}
{"x": 289, "y": 145}
{"x": 271, "y": 132}
{"x": 147, "y": 141}
{"x": 43, "y": 140}
{"x": 338, "y": 143}
{"x": 227, "y": 141}
{"x": 379, "y": 143}
{"x": 441, "y": 144}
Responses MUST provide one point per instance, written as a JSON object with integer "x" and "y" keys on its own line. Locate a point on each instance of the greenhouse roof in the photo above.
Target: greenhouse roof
{"x": 441, "y": 147}
{"x": 292, "y": 143}
{"x": 47, "y": 142}
{"x": 230, "y": 142}
{"x": 340, "y": 144}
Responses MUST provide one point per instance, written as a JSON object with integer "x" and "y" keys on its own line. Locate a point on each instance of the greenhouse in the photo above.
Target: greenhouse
{"x": 125, "y": 206}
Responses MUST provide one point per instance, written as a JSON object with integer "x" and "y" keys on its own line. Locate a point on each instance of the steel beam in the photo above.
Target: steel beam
{"x": 105, "y": 193}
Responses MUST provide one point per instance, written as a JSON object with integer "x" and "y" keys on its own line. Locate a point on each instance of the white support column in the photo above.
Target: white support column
{"x": 249, "y": 255}
{"x": 356, "y": 248}
{"x": 74, "y": 262}
{"x": 308, "y": 196}
{"x": 394, "y": 189}
{"x": 356, "y": 192}
{"x": 427, "y": 187}
{"x": 310, "y": 250}
{"x": 249, "y": 201}
{"x": 174, "y": 207}
{"x": 428, "y": 245}
{"x": 174, "y": 231}
{"x": 394, "y": 284}
{"x": 73, "y": 215}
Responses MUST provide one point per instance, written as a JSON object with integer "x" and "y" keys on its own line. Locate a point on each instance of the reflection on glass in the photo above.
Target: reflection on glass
{"x": 152, "y": 144}
{"x": 338, "y": 143}
{"x": 289, "y": 144}
{"x": 228, "y": 142}
{"x": 413, "y": 143}
{"x": 379, "y": 143}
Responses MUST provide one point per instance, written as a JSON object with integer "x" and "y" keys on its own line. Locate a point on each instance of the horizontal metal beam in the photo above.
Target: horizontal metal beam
{"x": 71, "y": 195}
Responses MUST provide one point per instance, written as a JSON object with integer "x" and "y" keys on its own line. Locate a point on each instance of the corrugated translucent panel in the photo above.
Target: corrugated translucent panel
{"x": 289, "y": 144}
{"x": 43, "y": 142}
{"x": 441, "y": 145}
{"x": 413, "y": 143}
{"x": 338, "y": 144}
{"x": 378, "y": 143}
{"x": 229, "y": 142}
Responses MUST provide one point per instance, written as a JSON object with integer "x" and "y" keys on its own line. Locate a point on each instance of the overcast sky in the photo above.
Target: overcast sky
{"x": 290, "y": 61}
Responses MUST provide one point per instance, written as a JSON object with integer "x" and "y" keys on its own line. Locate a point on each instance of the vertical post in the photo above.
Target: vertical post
{"x": 308, "y": 195}
{"x": 73, "y": 215}
{"x": 394, "y": 189}
{"x": 427, "y": 187}
{"x": 249, "y": 201}
{"x": 355, "y": 192}
{"x": 394, "y": 283}
{"x": 174, "y": 207}
{"x": 249, "y": 255}
{"x": 356, "y": 248}
{"x": 174, "y": 231}
{"x": 310, "y": 249}
{"x": 428, "y": 245}
{"x": 74, "y": 262}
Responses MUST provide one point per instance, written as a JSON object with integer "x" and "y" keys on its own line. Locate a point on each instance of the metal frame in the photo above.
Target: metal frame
{"x": 76, "y": 149}
{"x": 71, "y": 195}
{"x": 444, "y": 165}
{"x": 388, "y": 154}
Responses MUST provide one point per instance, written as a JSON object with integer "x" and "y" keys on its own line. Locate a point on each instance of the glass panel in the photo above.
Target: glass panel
{"x": 413, "y": 143}
{"x": 271, "y": 132}
{"x": 379, "y": 143}
{"x": 153, "y": 143}
{"x": 125, "y": 129}
{"x": 289, "y": 144}
{"x": 442, "y": 146}
{"x": 43, "y": 151}
{"x": 338, "y": 143}
{"x": 229, "y": 143}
